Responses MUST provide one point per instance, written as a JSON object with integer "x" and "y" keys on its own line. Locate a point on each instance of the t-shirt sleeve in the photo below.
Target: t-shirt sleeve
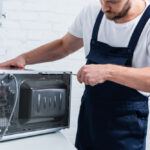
{"x": 76, "y": 28}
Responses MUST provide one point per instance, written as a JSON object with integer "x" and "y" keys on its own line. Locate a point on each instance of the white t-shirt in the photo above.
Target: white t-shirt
{"x": 113, "y": 34}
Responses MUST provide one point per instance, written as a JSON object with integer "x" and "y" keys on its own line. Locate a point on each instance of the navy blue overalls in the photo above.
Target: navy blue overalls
{"x": 113, "y": 116}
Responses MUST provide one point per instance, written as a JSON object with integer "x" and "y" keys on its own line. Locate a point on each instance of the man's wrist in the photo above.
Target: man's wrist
{"x": 110, "y": 72}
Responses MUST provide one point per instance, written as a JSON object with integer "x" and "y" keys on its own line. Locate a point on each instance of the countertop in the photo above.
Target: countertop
{"x": 52, "y": 141}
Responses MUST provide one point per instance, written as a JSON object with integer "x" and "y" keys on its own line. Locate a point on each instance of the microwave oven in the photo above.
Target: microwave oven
{"x": 33, "y": 102}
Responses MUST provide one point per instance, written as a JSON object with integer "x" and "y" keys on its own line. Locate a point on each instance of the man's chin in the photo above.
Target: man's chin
{"x": 113, "y": 17}
{"x": 110, "y": 17}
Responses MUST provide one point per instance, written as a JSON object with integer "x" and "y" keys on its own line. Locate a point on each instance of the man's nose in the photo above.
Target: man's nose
{"x": 105, "y": 8}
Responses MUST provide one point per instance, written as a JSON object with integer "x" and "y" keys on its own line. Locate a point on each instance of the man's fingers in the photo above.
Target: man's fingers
{"x": 79, "y": 75}
{"x": 5, "y": 64}
{"x": 12, "y": 64}
{"x": 82, "y": 75}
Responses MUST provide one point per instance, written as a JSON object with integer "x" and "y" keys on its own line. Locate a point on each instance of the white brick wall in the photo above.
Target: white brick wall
{"x": 31, "y": 23}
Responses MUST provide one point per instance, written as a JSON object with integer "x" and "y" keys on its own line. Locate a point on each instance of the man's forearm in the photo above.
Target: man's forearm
{"x": 137, "y": 78}
{"x": 48, "y": 52}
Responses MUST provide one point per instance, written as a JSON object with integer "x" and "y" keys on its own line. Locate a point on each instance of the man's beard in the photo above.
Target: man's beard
{"x": 123, "y": 13}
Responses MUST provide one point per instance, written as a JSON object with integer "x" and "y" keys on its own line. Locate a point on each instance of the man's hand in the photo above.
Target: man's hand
{"x": 136, "y": 78}
{"x": 18, "y": 62}
{"x": 93, "y": 74}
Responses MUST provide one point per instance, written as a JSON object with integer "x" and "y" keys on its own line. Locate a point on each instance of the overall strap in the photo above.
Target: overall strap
{"x": 138, "y": 30}
{"x": 97, "y": 25}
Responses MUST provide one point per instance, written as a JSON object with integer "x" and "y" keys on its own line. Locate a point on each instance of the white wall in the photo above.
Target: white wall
{"x": 31, "y": 23}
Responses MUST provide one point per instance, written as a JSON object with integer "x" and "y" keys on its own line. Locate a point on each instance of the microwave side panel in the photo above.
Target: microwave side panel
{"x": 65, "y": 78}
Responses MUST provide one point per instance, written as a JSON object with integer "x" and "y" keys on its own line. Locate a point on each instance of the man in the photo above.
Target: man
{"x": 116, "y": 38}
